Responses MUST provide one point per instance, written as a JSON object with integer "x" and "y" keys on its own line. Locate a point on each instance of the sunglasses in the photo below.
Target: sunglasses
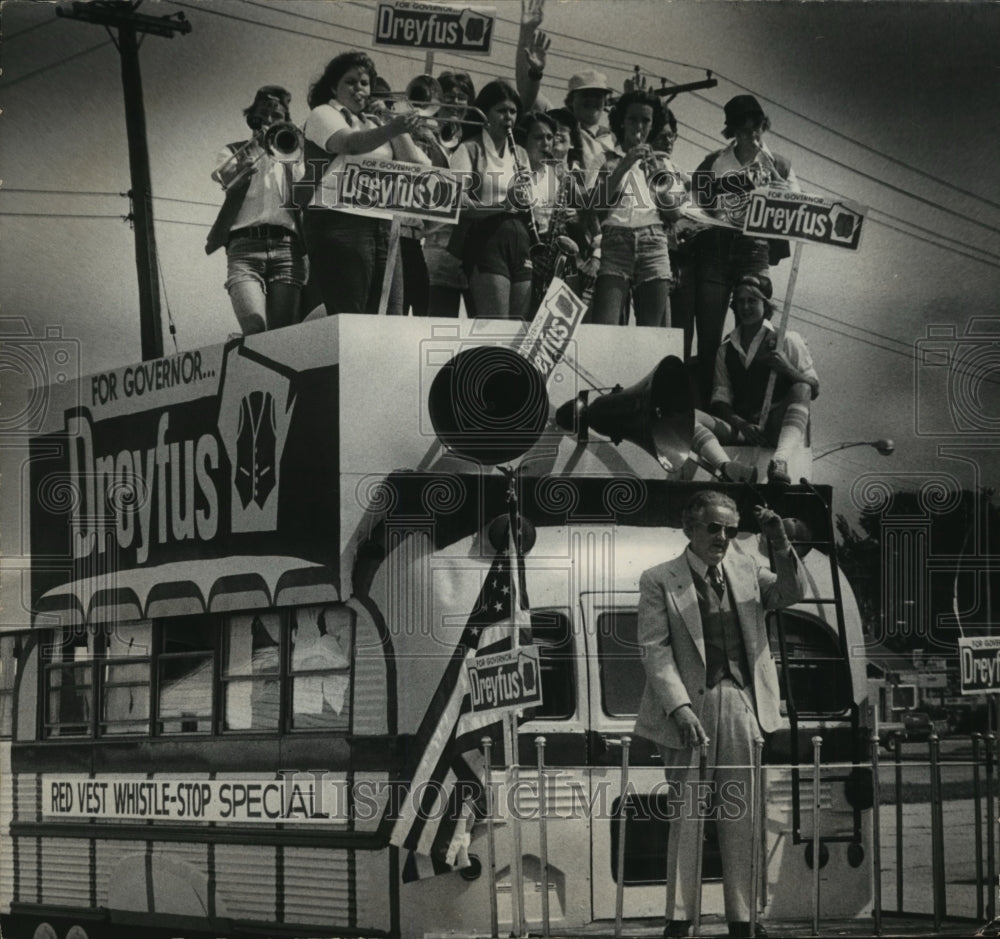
{"x": 713, "y": 528}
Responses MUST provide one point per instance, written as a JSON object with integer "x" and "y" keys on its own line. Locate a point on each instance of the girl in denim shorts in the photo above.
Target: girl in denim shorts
{"x": 634, "y": 246}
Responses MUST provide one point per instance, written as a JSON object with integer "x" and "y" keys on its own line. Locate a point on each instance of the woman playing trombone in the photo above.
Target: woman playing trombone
{"x": 493, "y": 242}
{"x": 348, "y": 251}
{"x": 634, "y": 247}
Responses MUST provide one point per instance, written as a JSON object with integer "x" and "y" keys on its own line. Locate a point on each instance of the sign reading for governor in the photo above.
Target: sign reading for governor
{"x": 801, "y": 216}
{"x": 505, "y": 681}
{"x": 433, "y": 26}
{"x": 979, "y": 658}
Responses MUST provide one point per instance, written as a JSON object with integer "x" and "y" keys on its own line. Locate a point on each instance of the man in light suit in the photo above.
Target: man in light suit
{"x": 710, "y": 678}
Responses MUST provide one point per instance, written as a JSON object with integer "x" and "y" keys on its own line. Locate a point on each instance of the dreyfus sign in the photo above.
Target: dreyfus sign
{"x": 801, "y": 216}
{"x": 979, "y": 664}
{"x": 184, "y": 459}
{"x": 385, "y": 188}
{"x": 433, "y": 26}
{"x": 552, "y": 328}
{"x": 505, "y": 681}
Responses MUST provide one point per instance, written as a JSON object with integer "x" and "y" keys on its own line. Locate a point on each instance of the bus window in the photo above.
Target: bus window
{"x": 551, "y": 631}
{"x": 251, "y": 671}
{"x": 185, "y": 669}
{"x": 322, "y": 637}
{"x": 69, "y": 682}
{"x": 820, "y": 677}
{"x": 10, "y": 649}
{"x": 125, "y": 679}
{"x": 618, "y": 653}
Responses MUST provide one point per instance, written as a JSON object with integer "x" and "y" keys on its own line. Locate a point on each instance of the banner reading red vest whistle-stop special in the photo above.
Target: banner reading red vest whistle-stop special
{"x": 802, "y": 216}
{"x": 416, "y": 25}
{"x": 385, "y": 188}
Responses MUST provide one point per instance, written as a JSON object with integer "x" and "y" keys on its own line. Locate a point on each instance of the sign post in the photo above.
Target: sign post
{"x": 805, "y": 219}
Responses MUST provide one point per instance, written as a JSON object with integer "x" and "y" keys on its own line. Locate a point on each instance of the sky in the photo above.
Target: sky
{"x": 891, "y": 105}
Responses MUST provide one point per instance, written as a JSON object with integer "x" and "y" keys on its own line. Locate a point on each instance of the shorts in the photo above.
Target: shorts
{"x": 636, "y": 254}
{"x": 275, "y": 259}
{"x": 499, "y": 245}
{"x": 724, "y": 256}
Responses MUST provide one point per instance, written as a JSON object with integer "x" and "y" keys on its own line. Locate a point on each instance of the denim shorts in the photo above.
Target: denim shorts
{"x": 275, "y": 259}
{"x": 637, "y": 254}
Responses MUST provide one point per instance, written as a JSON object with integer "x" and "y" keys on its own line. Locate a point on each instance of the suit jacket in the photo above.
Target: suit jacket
{"x": 670, "y": 633}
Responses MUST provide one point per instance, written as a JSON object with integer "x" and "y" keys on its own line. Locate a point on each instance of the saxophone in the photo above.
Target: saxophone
{"x": 558, "y": 246}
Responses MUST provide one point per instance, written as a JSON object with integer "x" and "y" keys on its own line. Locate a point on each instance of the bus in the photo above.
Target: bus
{"x": 245, "y": 569}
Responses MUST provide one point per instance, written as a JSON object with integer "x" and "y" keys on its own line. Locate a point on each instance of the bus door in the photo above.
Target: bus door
{"x": 617, "y": 680}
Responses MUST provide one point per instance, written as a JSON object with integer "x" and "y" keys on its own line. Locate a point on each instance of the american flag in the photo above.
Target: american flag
{"x": 436, "y": 828}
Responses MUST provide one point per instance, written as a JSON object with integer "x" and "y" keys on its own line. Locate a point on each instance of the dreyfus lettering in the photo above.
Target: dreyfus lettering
{"x": 157, "y": 495}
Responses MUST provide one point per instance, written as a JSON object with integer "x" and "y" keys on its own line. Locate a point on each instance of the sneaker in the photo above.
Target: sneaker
{"x": 677, "y": 929}
{"x": 736, "y": 472}
{"x": 777, "y": 472}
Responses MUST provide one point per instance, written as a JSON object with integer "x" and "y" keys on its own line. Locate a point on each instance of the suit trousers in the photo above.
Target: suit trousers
{"x": 730, "y": 721}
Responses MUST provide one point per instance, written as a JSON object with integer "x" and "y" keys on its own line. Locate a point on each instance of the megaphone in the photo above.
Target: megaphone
{"x": 488, "y": 404}
{"x": 656, "y": 413}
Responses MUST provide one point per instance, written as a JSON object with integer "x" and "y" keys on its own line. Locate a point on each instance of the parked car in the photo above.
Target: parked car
{"x": 914, "y": 726}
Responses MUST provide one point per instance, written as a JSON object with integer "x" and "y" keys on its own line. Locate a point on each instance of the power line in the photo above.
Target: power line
{"x": 84, "y": 192}
{"x": 45, "y": 68}
{"x": 121, "y": 218}
{"x": 28, "y": 29}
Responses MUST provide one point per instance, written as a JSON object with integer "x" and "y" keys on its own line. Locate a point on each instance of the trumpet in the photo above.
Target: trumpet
{"x": 665, "y": 186}
{"x": 282, "y": 141}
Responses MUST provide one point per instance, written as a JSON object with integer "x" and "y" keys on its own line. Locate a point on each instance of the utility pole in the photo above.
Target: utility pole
{"x": 122, "y": 15}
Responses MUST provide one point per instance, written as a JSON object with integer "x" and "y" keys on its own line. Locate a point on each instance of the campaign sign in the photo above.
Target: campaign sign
{"x": 505, "y": 681}
{"x": 801, "y": 216}
{"x": 553, "y": 327}
{"x": 979, "y": 659}
{"x": 385, "y": 188}
{"x": 416, "y": 25}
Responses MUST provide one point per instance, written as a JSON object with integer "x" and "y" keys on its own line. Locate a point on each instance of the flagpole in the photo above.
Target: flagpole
{"x": 510, "y": 722}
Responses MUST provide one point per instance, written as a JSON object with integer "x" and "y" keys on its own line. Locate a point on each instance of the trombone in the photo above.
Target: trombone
{"x": 423, "y": 98}
{"x": 282, "y": 141}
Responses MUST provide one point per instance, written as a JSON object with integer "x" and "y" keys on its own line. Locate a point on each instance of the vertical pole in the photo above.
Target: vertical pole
{"x": 817, "y": 743}
{"x": 991, "y": 868}
{"x": 699, "y": 847}
{"x": 937, "y": 834}
{"x": 782, "y": 327}
{"x": 491, "y": 866}
{"x": 150, "y": 325}
{"x": 897, "y": 746}
{"x": 755, "y": 835}
{"x": 429, "y": 62}
{"x": 876, "y": 833}
{"x": 516, "y": 870}
{"x": 622, "y": 817}
{"x": 977, "y": 797}
{"x": 543, "y": 834}
{"x": 390, "y": 267}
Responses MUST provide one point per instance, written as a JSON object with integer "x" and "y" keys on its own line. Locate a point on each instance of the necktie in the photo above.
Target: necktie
{"x": 715, "y": 578}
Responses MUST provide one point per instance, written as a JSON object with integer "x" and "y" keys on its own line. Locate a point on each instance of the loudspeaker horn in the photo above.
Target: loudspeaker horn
{"x": 488, "y": 404}
{"x": 656, "y": 414}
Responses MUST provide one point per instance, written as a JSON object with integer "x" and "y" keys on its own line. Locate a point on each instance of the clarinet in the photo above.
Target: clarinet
{"x": 537, "y": 245}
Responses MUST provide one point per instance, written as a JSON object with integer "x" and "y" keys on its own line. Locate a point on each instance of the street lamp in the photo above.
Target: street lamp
{"x": 884, "y": 447}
